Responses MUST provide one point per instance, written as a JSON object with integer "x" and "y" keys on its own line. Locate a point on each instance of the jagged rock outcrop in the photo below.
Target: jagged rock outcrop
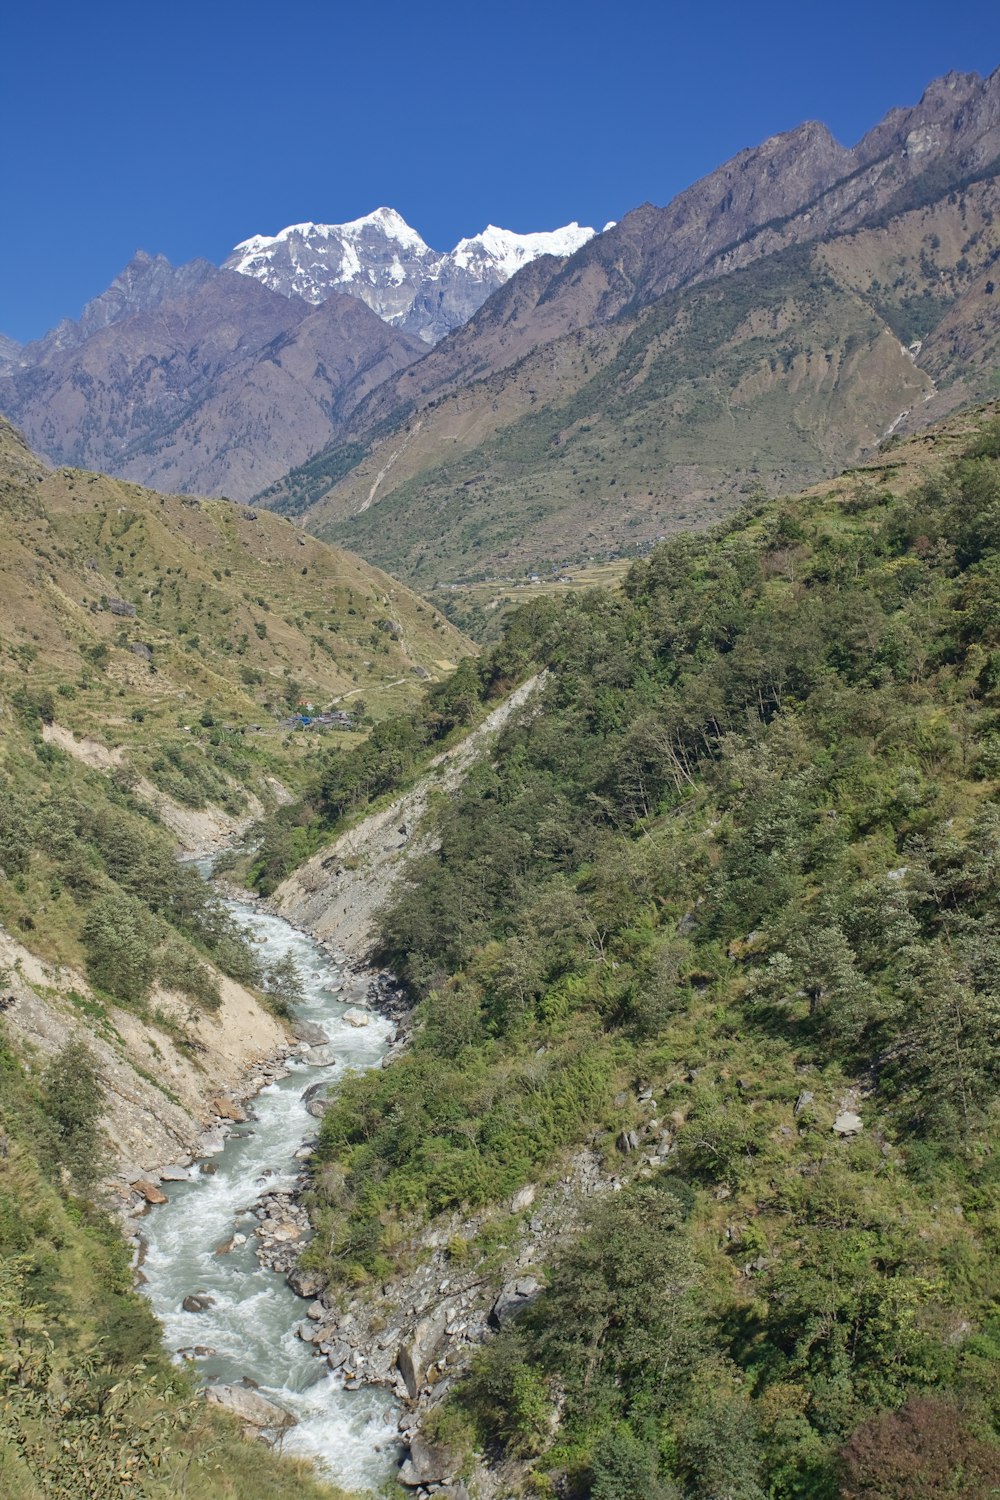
{"x": 199, "y": 380}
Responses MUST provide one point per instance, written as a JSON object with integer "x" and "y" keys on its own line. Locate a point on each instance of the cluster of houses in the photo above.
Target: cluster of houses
{"x": 329, "y": 719}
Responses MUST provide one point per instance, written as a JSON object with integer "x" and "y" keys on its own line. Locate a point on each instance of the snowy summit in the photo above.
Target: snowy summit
{"x": 386, "y": 263}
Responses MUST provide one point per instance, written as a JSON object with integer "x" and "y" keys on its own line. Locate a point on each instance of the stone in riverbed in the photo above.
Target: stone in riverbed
{"x": 175, "y": 1174}
{"x": 356, "y": 1017}
{"x": 197, "y": 1302}
{"x": 211, "y": 1142}
{"x": 232, "y": 1244}
{"x": 306, "y": 1031}
{"x": 251, "y": 1407}
{"x": 149, "y": 1191}
{"x": 305, "y": 1283}
{"x": 228, "y": 1109}
{"x": 319, "y": 1057}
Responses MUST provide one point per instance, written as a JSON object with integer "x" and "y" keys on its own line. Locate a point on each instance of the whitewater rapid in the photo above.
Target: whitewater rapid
{"x": 251, "y": 1328}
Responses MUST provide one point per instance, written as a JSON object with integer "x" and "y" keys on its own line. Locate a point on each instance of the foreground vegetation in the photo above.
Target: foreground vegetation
{"x": 731, "y": 883}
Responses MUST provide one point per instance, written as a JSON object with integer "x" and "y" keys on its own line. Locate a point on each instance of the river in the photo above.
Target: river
{"x": 251, "y": 1328}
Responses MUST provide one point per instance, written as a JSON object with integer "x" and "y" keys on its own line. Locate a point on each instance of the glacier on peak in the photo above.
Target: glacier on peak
{"x": 380, "y": 259}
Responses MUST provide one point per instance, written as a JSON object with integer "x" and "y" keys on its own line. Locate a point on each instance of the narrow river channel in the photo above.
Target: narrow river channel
{"x": 251, "y": 1327}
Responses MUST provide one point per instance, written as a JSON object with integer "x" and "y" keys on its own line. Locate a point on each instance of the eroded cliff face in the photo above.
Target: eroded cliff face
{"x": 336, "y": 894}
{"x": 163, "y": 1074}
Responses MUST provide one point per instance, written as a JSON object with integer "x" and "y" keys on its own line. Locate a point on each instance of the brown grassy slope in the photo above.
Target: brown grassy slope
{"x": 777, "y": 374}
{"x": 233, "y": 607}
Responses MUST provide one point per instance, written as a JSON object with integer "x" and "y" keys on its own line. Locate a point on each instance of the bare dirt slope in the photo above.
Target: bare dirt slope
{"x": 336, "y": 894}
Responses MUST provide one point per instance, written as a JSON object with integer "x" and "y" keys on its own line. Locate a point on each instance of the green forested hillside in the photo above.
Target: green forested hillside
{"x": 731, "y": 887}
{"x": 90, "y": 1406}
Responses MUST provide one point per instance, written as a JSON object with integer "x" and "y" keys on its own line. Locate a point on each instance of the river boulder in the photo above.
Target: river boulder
{"x": 197, "y": 1302}
{"x": 308, "y": 1031}
{"x": 305, "y": 1283}
{"x": 149, "y": 1191}
{"x": 257, "y": 1411}
{"x": 228, "y": 1109}
{"x": 319, "y": 1057}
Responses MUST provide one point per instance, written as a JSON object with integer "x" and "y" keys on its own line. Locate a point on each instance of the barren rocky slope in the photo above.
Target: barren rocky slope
{"x": 199, "y": 380}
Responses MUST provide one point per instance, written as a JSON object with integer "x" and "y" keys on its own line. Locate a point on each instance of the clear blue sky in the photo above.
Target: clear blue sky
{"x": 185, "y": 127}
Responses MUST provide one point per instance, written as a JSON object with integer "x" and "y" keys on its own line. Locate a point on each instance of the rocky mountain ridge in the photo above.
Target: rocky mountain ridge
{"x": 773, "y": 323}
{"x": 274, "y": 378}
{"x": 198, "y": 380}
{"x": 385, "y": 263}
{"x": 794, "y": 188}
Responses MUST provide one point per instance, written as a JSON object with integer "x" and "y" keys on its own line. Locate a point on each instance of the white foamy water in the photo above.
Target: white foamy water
{"x": 352, "y": 1435}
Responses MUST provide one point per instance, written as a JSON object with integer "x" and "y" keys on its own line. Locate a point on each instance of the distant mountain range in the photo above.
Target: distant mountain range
{"x": 384, "y": 262}
{"x": 772, "y": 323}
{"x": 202, "y": 380}
{"x": 584, "y": 392}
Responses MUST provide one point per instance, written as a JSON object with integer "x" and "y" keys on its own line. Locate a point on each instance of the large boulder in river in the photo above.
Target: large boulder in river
{"x": 315, "y": 1099}
{"x": 319, "y": 1057}
{"x": 197, "y": 1302}
{"x": 307, "y": 1031}
{"x": 251, "y": 1407}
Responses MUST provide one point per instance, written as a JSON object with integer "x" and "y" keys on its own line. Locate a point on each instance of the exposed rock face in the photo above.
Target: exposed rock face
{"x": 336, "y": 893}
{"x": 145, "y": 284}
{"x": 9, "y": 353}
{"x": 426, "y": 1465}
{"x": 385, "y": 263}
{"x": 146, "y": 1124}
{"x": 514, "y": 1296}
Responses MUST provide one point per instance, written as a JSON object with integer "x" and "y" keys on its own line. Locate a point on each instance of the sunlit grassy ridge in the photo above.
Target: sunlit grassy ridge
{"x": 142, "y": 612}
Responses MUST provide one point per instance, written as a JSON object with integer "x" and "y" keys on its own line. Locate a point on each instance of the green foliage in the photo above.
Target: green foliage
{"x": 119, "y": 936}
{"x": 73, "y": 1099}
{"x": 115, "y": 897}
{"x": 744, "y": 853}
{"x": 348, "y": 781}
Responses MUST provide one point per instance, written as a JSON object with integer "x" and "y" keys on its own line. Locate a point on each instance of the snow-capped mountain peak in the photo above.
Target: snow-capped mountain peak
{"x": 509, "y": 251}
{"x": 384, "y": 261}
